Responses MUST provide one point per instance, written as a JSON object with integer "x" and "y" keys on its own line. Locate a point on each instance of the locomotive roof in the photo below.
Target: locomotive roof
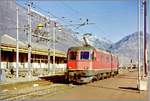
{"x": 89, "y": 47}
{"x": 85, "y": 47}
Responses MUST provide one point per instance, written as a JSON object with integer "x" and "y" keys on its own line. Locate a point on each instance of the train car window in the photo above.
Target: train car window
{"x": 84, "y": 55}
{"x": 72, "y": 55}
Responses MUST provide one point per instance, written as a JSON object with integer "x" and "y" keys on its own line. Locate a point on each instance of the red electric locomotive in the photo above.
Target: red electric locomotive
{"x": 86, "y": 63}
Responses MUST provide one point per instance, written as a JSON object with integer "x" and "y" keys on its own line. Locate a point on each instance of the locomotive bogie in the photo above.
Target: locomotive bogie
{"x": 88, "y": 76}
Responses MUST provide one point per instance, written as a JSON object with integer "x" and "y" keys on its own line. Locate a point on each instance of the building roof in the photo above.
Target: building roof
{"x": 8, "y": 43}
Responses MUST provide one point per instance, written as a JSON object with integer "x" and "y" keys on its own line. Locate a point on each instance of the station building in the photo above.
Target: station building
{"x": 41, "y": 46}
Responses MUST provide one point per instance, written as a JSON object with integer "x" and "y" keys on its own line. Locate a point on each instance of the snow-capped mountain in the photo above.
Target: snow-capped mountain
{"x": 101, "y": 43}
{"x": 127, "y": 48}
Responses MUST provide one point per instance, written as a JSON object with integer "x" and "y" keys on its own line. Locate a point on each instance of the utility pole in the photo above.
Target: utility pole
{"x": 17, "y": 45}
{"x": 54, "y": 32}
{"x": 145, "y": 40}
{"x": 143, "y": 82}
{"x": 139, "y": 45}
{"x": 0, "y": 52}
{"x": 0, "y": 56}
{"x": 49, "y": 58}
{"x": 29, "y": 40}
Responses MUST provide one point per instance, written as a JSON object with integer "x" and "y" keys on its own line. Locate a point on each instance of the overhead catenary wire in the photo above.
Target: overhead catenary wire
{"x": 35, "y": 6}
{"x": 74, "y": 10}
{"x": 47, "y": 12}
{"x": 62, "y": 19}
{"x": 81, "y": 14}
{"x": 59, "y": 18}
{"x": 39, "y": 8}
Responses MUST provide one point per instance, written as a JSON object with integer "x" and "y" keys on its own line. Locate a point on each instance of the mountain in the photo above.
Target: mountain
{"x": 127, "y": 48}
{"x": 63, "y": 39}
{"x": 101, "y": 43}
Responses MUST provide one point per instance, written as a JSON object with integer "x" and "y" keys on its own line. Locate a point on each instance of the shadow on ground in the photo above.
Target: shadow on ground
{"x": 129, "y": 88}
{"x": 59, "y": 79}
{"x": 125, "y": 89}
{"x": 55, "y": 79}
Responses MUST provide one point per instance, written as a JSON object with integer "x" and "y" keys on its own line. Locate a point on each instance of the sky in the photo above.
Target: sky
{"x": 113, "y": 19}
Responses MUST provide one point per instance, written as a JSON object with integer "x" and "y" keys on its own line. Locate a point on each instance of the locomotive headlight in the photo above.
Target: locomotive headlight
{"x": 69, "y": 67}
{"x": 86, "y": 67}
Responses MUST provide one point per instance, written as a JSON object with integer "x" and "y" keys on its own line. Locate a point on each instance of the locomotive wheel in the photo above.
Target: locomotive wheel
{"x": 109, "y": 75}
{"x": 97, "y": 77}
{"x": 92, "y": 81}
{"x": 102, "y": 76}
{"x": 116, "y": 73}
{"x": 105, "y": 76}
{"x": 113, "y": 74}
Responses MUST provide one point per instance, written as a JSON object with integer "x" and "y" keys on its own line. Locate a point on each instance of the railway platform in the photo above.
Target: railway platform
{"x": 17, "y": 80}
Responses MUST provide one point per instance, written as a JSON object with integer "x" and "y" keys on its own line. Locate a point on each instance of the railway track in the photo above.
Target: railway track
{"x": 37, "y": 91}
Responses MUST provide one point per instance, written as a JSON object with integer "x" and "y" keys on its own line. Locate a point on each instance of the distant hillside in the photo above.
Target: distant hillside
{"x": 127, "y": 48}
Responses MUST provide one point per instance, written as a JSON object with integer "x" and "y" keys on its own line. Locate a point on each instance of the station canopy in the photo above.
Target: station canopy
{"x": 8, "y": 43}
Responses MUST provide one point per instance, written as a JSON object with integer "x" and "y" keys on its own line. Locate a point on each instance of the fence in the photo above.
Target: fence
{"x": 37, "y": 69}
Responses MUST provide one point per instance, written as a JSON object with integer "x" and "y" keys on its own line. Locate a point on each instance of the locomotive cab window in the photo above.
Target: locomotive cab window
{"x": 72, "y": 55}
{"x": 84, "y": 55}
